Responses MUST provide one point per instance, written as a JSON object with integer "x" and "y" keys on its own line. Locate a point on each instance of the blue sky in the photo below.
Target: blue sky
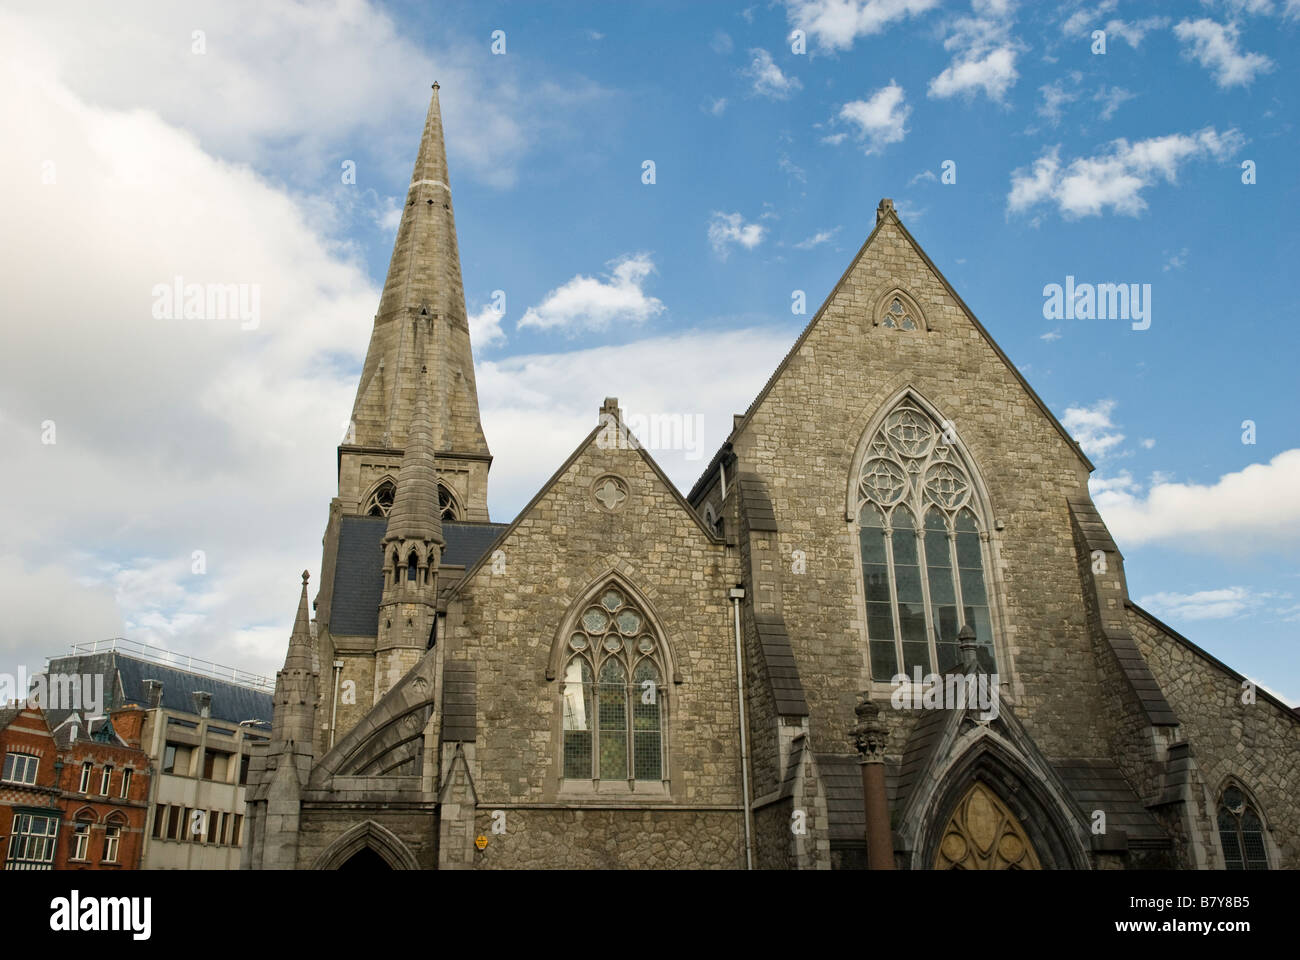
{"x": 1122, "y": 166}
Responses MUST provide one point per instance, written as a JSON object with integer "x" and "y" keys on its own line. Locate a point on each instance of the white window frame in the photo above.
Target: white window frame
{"x": 106, "y": 780}
{"x": 31, "y": 765}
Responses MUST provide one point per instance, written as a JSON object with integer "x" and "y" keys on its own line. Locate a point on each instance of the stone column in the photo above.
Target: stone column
{"x": 869, "y": 736}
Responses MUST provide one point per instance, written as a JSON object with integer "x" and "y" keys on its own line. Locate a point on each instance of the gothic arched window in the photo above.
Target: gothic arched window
{"x": 1241, "y": 831}
{"x": 612, "y": 693}
{"x": 381, "y": 499}
{"x": 922, "y": 547}
{"x": 412, "y": 565}
{"x": 898, "y": 311}
{"x": 448, "y": 508}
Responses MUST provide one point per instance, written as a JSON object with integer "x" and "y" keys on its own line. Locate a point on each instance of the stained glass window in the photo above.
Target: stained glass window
{"x": 612, "y": 696}
{"x": 922, "y": 548}
{"x": 1241, "y": 831}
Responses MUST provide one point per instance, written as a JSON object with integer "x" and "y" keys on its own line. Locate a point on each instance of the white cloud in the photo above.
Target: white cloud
{"x": 1089, "y": 186}
{"x": 1204, "y": 604}
{"x": 984, "y": 53}
{"x": 1050, "y": 335}
{"x": 287, "y": 82}
{"x": 172, "y": 435}
{"x": 1092, "y": 427}
{"x": 1251, "y": 510}
{"x": 1148, "y": 442}
{"x": 536, "y": 408}
{"x": 717, "y": 106}
{"x": 1176, "y": 261}
{"x": 721, "y": 43}
{"x": 767, "y": 78}
{"x": 588, "y": 303}
{"x": 923, "y": 175}
{"x": 1056, "y": 96}
{"x": 792, "y": 169}
{"x": 836, "y": 24}
{"x": 485, "y": 328}
{"x": 1214, "y": 46}
{"x": 1134, "y": 31}
{"x": 1083, "y": 20}
{"x": 1111, "y": 98}
{"x": 817, "y": 239}
{"x": 993, "y": 72}
{"x": 880, "y": 119}
{"x": 726, "y": 229}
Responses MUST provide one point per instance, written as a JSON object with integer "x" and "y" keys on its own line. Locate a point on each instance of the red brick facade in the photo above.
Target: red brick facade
{"x": 70, "y": 801}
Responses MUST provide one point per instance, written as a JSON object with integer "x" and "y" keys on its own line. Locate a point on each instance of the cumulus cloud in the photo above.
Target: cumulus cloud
{"x": 1111, "y": 98}
{"x": 767, "y": 79}
{"x": 1252, "y": 510}
{"x": 836, "y": 24}
{"x": 1114, "y": 180}
{"x": 984, "y": 53}
{"x": 730, "y": 229}
{"x": 1214, "y": 46}
{"x": 173, "y": 436}
{"x": 1092, "y": 427}
{"x": 880, "y": 119}
{"x": 485, "y": 328}
{"x": 285, "y": 83}
{"x": 590, "y": 303}
{"x": 1133, "y": 32}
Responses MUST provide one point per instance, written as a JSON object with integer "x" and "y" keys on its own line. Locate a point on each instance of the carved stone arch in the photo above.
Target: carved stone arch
{"x": 616, "y": 578}
{"x": 1049, "y": 820}
{"x": 367, "y": 835}
{"x": 366, "y": 503}
{"x": 457, "y": 506}
{"x": 115, "y": 819}
{"x": 86, "y": 815}
{"x": 906, "y": 308}
{"x": 984, "y": 514}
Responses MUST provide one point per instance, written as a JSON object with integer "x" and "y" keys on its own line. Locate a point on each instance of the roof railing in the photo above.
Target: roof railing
{"x": 170, "y": 658}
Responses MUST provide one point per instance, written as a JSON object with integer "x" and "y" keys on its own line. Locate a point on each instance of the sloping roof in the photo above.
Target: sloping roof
{"x": 780, "y": 667}
{"x": 359, "y": 568}
{"x": 841, "y": 778}
{"x": 459, "y": 701}
{"x": 231, "y": 702}
{"x": 7, "y": 715}
{"x": 1099, "y": 785}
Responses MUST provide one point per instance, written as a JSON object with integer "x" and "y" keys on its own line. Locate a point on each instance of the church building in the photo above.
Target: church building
{"x": 887, "y": 627}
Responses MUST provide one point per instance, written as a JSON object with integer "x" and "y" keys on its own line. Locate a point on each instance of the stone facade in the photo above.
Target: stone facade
{"x": 439, "y": 715}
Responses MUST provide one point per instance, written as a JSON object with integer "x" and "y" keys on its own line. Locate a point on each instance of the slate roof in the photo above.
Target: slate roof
{"x": 841, "y": 778}
{"x": 1099, "y": 785}
{"x": 231, "y": 702}
{"x": 7, "y": 715}
{"x": 359, "y": 568}
{"x": 781, "y": 669}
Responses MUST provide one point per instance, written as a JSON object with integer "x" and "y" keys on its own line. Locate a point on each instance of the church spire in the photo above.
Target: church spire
{"x": 415, "y": 514}
{"x": 423, "y": 285}
{"x": 299, "y": 656}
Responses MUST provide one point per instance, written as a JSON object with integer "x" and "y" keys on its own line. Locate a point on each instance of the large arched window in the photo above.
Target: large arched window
{"x": 1241, "y": 831}
{"x": 613, "y": 694}
{"x": 921, "y": 536}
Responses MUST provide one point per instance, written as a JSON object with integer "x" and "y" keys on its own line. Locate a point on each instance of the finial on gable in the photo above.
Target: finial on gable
{"x": 610, "y": 409}
{"x": 886, "y": 206}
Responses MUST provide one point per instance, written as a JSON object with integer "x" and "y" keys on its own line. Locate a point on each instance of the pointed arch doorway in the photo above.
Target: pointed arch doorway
{"x": 365, "y": 860}
{"x": 983, "y": 834}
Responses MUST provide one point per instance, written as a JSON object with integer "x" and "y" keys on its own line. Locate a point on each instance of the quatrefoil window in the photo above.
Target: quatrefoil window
{"x": 899, "y": 312}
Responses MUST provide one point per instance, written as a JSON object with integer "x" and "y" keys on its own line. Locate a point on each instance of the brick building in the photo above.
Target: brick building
{"x": 76, "y": 797}
{"x": 626, "y": 676}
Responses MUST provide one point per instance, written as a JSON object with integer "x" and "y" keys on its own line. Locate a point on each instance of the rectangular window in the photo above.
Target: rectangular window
{"x": 236, "y": 834}
{"x": 20, "y": 768}
{"x": 31, "y": 847}
{"x": 159, "y": 820}
{"x": 214, "y": 826}
{"x": 223, "y": 836}
{"x": 216, "y": 765}
{"x": 126, "y": 783}
{"x": 187, "y": 824}
{"x": 86, "y": 768}
{"x": 243, "y": 770}
{"x": 174, "y": 823}
{"x": 112, "y": 838}
{"x": 81, "y": 842}
{"x": 105, "y": 780}
{"x": 169, "y": 758}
